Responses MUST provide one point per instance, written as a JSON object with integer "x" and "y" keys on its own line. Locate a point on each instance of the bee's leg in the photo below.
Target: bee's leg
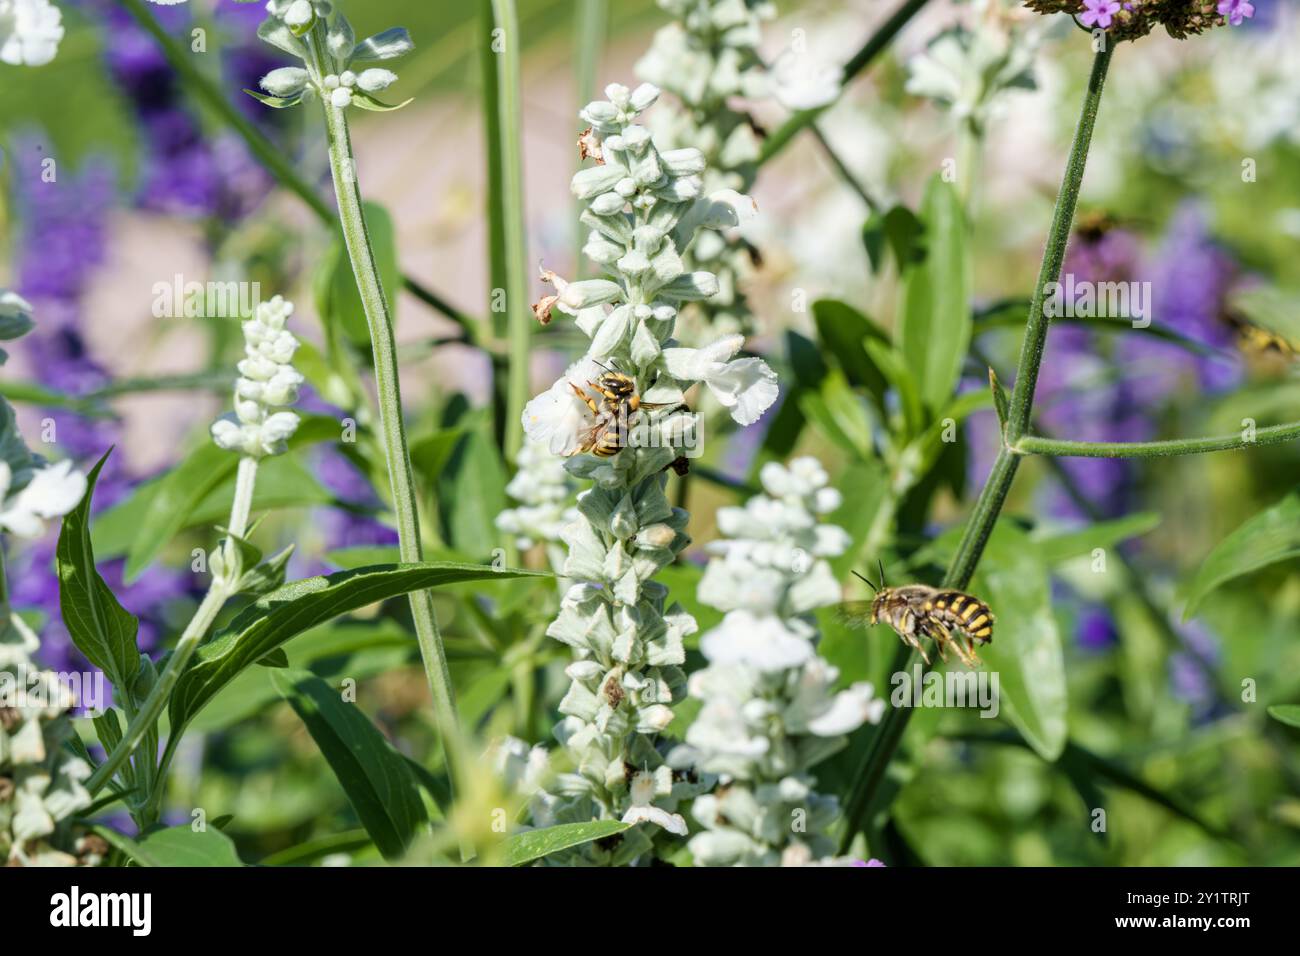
{"x": 915, "y": 641}
{"x": 967, "y": 652}
{"x": 941, "y": 638}
{"x": 591, "y": 402}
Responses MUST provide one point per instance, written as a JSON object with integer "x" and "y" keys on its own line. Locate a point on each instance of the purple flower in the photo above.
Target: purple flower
{"x": 1236, "y": 10}
{"x": 871, "y": 862}
{"x": 1096, "y": 629}
{"x": 1098, "y": 13}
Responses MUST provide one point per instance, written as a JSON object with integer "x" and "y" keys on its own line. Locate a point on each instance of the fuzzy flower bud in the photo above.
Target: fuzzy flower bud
{"x": 267, "y": 382}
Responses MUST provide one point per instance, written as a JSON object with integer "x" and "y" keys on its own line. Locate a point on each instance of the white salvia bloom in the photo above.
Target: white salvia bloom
{"x": 544, "y": 492}
{"x": 708, "y": 58}
{"x": 41, "y": 781}
{"x": 969, "y": 70}
{"x": 745, "y": 387}
{"x": 51, "y": 492}
{"x": 770, "y": 711}
{"x": 30, "y": 32}
{"x": 267, "y": 382}
{"x": 803, "y": 81}
{"x": 643, "y": 209}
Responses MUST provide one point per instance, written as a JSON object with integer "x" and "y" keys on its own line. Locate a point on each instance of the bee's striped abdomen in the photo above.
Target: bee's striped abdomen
{"x": 965, "y": 613}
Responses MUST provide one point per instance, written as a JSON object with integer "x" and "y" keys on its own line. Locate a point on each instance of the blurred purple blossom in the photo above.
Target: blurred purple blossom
{"x": 1096, "y": 630}
{"x": 1093, "y": 388}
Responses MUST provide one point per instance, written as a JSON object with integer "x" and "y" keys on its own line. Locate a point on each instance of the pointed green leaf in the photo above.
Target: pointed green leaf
{"x": 532, "y": 845}
{"x": 1271, "y": 536}
{"x": 379, "y": 784}
{"x": 842, "y": 329}
{"x": 935, "y": 328}
{"x": 298, "y": 606}
{"x": 276, "y": 102}
{"x": 1026, "y": 649}
{"x": 367, "y": 102}
{"x": 101, "y": 628}
{"x": 1062, "y": 546}
{"x": 1288, "y": 714}
{"x": 176, "y": 846}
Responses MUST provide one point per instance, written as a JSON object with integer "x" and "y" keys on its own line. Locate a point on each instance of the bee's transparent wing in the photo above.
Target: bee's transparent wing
{"x": 854, "y": 613}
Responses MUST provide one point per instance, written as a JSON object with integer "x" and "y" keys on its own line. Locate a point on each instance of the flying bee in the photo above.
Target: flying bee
{"x": 950, "y": 618}
{"x": 616, "y": 412}
{"x": 1255, "y": 339}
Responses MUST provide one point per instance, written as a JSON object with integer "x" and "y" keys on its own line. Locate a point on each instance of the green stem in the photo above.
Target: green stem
{"x": 876, "y": 43}
{"x": 988, "y": 507}
{"x": 270, "y": 155}
{"x": 842, "y": 168}
{"x": 1062, "y": 448}
{"x": 145, "y": 719}
{"x": 1031, "y": 350}
{"x": 391, "y": 425}
{"x": 515, "y": 239}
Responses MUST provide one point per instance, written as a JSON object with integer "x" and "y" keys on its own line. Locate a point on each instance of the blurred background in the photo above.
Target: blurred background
{"x": 1193, "y": 185}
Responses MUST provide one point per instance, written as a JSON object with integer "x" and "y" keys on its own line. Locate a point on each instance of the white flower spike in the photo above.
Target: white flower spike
{"x": 267, "y": 382}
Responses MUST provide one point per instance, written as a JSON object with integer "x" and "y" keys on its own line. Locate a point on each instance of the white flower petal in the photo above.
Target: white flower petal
{"x": 746, "y": 386}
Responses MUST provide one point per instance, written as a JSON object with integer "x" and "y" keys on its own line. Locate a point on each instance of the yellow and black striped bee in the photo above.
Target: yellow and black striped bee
{"x": 1255, "y": 339}
{"x": 1093, "y": 224}
{"x": 615, "y": 412}
{"x": 950, "y": 618}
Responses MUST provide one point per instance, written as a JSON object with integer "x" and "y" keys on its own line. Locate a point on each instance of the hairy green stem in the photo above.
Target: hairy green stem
{"x": 147, "y": 716}
{"x": 1062, "y": 448}
{"x": 270, "y": 155}
{"x": 988, "y": 506}
{"x": 510, "y": 188}
{"x": 391, "y": 425}
{"x": 1031, "y": 350}
{"x": 876, "y": 43}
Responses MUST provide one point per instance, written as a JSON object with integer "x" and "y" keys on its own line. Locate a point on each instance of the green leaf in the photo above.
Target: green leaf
{"x": 200, "y": 487}
{"x": 1271, "y": 536}
{"x": 276, "y": 102}
{"x": 842, "y": 330}
{"x": 1000, "y": 401}
{"x": 379, "y": 784}
{"x": 430, "y": 453}
{"x": 367, "y": 102}
{"x": 473, "y": 493}
{"x": 840, "y": 414}
{"x": 1026, "y": 648}
{"x": 277, "y": 658}
{"x": 344, "y": 301}
{"x": 899, "y": 230}
{"x": 314, "y": 849}
{"x": 532, "y": 845}
{"x": 1063, "y": 546}
{"x": 176, "y": 495}
{"x": 1288, "y": 714}
{"x": 176, "y": 846}
{"x": 892, "y": 363}
{"x": 288, "y": 611}
{"x": 101, "y": 628}
{"x": 935, "y": 327}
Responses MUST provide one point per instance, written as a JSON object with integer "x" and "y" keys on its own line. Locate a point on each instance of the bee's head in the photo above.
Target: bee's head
{"x": 882, "y": 592}
{"x": 617, "y": 384}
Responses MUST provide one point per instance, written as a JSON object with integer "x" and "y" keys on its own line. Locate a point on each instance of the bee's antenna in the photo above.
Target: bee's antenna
{"x": 868, "y": 580}
{"x": 881, "y": 565}
{"x": 603, "y": 365}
